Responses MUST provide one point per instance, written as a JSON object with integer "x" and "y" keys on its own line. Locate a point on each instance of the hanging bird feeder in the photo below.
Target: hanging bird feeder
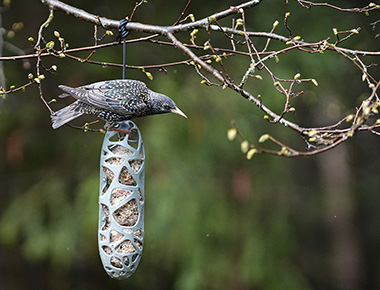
{"x": 121, "y": 201}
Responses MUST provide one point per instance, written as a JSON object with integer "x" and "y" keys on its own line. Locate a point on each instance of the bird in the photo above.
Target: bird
{"x": 113, "y": 101}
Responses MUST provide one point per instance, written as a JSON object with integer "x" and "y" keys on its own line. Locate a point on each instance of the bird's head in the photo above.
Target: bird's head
{"x": 161, "y": 104}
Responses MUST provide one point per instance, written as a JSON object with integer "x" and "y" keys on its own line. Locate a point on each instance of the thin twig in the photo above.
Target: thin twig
{"x": 37, "y": 47}
{"x": 182, "y": 13}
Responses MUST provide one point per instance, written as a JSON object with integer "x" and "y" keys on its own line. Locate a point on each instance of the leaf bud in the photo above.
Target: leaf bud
{"x": 231, "y": 134}
{"x": 244, "y": 146}
{"x": 251, "y": 152}
{"x": 264, "y": 138}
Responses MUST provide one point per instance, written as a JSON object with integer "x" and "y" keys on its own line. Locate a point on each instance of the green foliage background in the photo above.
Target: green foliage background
{"x": 214, "y": 220}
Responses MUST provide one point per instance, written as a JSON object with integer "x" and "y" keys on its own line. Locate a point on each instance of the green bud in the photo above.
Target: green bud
{"x": 239, "y": 22}
{"x": 244, "y": 146}
{"x": 312, "y": 133}
{"x": 349, "y": 117}
{"x": 149, "y": 75}
{"x": 264, "y": 138}
{"x": 251, "y": 152}
{"x": 50, "y": 45}
{"x": 284, "y": 151}
{"x": 356, "y": 31}
{"x": 194, "y": 32}
{"x": 231, "y": 134}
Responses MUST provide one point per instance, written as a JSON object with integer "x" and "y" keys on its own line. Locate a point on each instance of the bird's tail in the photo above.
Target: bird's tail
{"x": 65, "y": 115}
{"x": 67, "y": 91}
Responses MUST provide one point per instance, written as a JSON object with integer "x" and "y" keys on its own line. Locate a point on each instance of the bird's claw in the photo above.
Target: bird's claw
{"x": 115, "y": 127}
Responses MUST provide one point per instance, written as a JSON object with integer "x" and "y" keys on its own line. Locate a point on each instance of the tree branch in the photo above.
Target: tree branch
{"x": 135, "y": 26}
{"x": 210, "y": 59}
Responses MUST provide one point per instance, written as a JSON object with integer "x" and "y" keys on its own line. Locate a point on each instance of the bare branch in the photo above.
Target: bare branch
{"x": 309, "y": 4}
{"x": 209, "y": 60}
{"x": 135, "y": 26}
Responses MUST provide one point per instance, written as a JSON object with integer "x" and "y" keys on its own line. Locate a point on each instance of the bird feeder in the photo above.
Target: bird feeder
{"x": 121, "y": 201}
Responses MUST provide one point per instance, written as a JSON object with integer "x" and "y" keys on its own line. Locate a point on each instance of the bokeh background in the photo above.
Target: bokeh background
{"x": 213, "y": 219}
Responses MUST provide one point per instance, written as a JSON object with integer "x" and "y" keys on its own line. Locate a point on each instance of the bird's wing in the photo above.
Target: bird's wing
{"x": 119, "y": 98}
{"x": 125, "y": 105}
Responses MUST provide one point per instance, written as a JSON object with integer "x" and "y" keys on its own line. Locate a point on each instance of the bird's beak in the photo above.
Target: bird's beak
{"x": 178, "y": 112}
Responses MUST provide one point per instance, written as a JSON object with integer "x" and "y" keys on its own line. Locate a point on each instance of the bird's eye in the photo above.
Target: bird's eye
{"x": 167, "y": 107}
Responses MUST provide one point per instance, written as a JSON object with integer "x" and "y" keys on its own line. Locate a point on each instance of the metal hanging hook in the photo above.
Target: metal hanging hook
{"x": 123, "y": 33}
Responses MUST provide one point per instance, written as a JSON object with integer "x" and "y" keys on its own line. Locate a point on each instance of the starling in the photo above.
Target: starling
{"x": 113, "y": 101}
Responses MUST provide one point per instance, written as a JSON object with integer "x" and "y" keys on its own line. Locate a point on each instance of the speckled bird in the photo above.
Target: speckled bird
{"x": 113, "y": 101}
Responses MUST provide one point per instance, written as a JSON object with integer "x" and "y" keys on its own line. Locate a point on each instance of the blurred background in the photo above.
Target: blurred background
{"x": 213, "y": 219}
